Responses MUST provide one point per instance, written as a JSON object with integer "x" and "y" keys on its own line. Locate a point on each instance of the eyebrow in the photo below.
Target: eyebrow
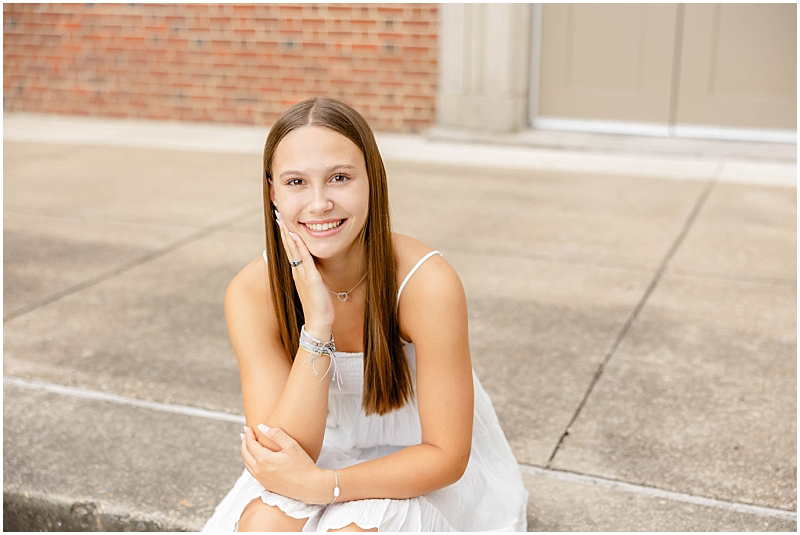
{"x": 328, "y": 170}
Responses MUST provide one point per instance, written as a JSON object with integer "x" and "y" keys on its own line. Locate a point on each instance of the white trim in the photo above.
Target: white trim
{"x": 536, "y": 62}
{"x": 663, "y": 130}
{"x": 601, "y": 127}
{"x": 572, "y": 477}
{"x": 736, "y": 134}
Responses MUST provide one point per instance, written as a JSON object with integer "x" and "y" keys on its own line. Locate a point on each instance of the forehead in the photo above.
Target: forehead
{"x": 311, "y": 147}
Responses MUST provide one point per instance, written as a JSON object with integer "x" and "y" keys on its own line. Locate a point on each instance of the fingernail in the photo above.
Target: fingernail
{"x": 263, "y": 428}
{"x": 245, "y": 429}
{"x": 241, "y": 435}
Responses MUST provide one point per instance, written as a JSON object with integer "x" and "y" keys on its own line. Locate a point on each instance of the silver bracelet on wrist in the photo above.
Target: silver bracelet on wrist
{"x": 336, "y": 489}
{"x": 316, "y": 349}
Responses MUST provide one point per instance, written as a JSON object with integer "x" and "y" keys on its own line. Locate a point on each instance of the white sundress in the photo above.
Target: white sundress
{"x": 490, "y": 496}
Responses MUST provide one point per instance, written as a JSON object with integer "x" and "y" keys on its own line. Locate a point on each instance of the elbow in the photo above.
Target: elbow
{"x": 459, "y": 461}
{"x": 463, "y": 462}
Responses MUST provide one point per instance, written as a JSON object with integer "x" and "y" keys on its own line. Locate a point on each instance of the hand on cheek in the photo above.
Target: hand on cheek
{"x": 314, "y": 295}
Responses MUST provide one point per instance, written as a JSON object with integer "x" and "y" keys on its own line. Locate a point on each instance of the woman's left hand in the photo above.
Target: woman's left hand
{"x": 289, "y": 472}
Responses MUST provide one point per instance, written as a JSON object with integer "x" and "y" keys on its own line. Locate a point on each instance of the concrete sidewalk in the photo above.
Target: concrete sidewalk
{"x": 632, "y": 316}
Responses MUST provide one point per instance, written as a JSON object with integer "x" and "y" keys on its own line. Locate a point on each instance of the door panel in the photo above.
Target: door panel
{"x": 607, "y": 61}
{"x": 739, "y": 66}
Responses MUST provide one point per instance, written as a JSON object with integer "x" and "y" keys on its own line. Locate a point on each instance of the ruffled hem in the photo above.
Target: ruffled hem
{"x": 293, "y": 508}
{"x": 415, "y": 514}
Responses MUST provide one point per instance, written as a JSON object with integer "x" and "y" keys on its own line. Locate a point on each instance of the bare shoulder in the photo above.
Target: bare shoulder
{"x": 434, "y": 279}
{"x": 408, "y": 251}
{"x": 251, "y": 282}
{"x": 248, "y": 300}
{"x": 433, "y": 301}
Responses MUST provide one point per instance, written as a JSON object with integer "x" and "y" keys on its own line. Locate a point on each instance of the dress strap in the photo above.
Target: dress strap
{"x": 265, "y": 256}
{"x": 421, "y": 260}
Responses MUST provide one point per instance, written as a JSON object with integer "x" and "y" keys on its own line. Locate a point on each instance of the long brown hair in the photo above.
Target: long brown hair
{"x": 387, "y": 378}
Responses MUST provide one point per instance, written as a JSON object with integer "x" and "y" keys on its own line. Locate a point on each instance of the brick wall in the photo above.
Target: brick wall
{"x": 224, "y": 63}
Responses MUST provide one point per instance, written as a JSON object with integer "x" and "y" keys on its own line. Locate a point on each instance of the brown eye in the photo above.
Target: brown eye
{"x": 340, "y": 177}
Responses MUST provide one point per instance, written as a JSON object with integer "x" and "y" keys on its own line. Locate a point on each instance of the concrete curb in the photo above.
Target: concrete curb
{"x": 47, "y": 512}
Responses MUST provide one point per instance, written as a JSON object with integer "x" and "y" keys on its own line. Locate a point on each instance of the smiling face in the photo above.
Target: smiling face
{"x": 321, "y": 188}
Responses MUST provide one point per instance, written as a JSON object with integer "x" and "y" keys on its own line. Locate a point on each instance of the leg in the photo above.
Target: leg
{"x": 352, "y": 527}
{"x": 258, "y": 516}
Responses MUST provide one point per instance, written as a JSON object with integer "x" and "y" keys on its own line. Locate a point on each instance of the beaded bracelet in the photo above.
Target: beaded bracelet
{"x": 316, "y": 349}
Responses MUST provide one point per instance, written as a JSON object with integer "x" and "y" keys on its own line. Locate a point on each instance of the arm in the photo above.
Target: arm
{"x": 434, "y": 309}
{"x": 275, "y": 391}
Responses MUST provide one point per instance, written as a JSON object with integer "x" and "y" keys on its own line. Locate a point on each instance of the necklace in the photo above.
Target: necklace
{"x": 344, "y": 295}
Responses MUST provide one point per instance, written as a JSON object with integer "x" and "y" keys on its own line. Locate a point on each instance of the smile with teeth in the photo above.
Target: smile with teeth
{"x": 323, "y": 226}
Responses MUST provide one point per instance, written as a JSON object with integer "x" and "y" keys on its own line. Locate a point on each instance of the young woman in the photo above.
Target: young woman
{"x": 363, "y": 412}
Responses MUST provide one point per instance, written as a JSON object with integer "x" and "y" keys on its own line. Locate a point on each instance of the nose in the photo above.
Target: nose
{"x": 320, "y": 201}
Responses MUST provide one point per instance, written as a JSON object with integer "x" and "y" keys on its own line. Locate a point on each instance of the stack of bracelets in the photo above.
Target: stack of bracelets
{"x": 316, "y": 348}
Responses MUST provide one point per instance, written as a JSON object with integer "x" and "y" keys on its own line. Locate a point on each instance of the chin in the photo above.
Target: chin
{"x": 330, "y": 248}
{"x": 324, "y": 251}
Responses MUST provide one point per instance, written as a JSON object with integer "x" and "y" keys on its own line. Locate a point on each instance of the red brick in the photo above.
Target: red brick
{"x": 314, "y": 49}
{"x": 364, "y": 25}
{"x": 243, "y": 48}
{"x": 390, "y": 35}
{"x": 290, "y": 10}
{"x": 133, "y": 40}
{"x": 365, "y": 48}
{"x": 417, "y": 25}
{"x": 390, "y": 10}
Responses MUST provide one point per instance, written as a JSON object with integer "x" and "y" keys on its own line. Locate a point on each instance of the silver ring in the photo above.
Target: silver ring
{"x": 295, "y": 263}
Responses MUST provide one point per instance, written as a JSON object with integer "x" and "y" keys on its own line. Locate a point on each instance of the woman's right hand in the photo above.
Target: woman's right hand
{"x": 314, "y": 294}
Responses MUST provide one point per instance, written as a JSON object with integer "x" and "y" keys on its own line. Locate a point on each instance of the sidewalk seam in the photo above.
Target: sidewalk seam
{"x": 699, "y": 203}
{"x": 654, "y": 492}
{"x": 97, "y": 395}
{"x": 131, "y": 264}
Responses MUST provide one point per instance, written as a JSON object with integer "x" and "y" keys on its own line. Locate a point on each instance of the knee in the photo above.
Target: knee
{"x": 351, "y": 527}
{"x": 258, "y": 516}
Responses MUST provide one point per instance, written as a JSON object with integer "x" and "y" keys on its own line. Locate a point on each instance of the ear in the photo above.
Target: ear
{"x": 271, "y": 190}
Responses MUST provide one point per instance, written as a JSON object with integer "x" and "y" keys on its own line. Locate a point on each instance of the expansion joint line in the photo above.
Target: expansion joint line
{"x": 88, "y": 283}
{"x": 654, "y": 492}
{"x": 698, "y": 205}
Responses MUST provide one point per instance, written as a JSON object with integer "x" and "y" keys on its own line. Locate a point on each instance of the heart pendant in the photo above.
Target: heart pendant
{"x": 342, "y": 296}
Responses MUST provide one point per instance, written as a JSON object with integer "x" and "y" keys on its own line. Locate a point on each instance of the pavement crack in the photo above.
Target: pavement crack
{"x": 136, "y": 262}
{"x": 698, "y": 205}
